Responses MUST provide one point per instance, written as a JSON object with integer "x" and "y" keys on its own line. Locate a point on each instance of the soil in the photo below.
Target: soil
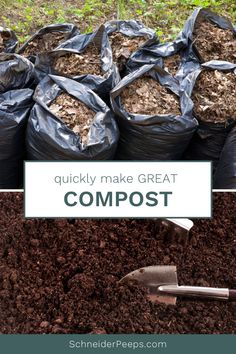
{"x": 45, "y": 43}
{"x": 213, "y": 42}
{"x": 123, "y": 46}
{"x": 214, "y": 96}
{"x": 71, "y": 64}
{"x": 62, "y": 276}
{"x": 74, "y": 113}
{"x": 146, "y": 96}
{"x": 172, "y": 63}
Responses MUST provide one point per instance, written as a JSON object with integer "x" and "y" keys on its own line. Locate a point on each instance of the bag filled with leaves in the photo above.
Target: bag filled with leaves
{"x": 47, "y": 39}
{"x": 126, "y": 37}
{"x": 212, "y": 36}
{"x": 86, "y": 58}
{"x": 213, "y": 91}
{"x": 8, "y": 40}
{"x": 154, "y": 116}
{"x": 225, "y": 175}
{"x": 15, "y": 106}
{"x": 15, "y": 72}
{"x": 70, "y": 122}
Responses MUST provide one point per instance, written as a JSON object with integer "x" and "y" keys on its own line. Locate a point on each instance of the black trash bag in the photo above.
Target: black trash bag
{"x": 187, "y": 34}
{"x": 145, "y": 137}
{"x": 159, "y": 53}
{"x": 8, "y": 40}
{"x": 225, "y": 176}
{"x": 48, "y": 137}
{"x": 208, "y": 141}
{"x": 15, "y": 72}
{"x": 67, "y": 30}
{"x": 77, "y": 45}
{"x": 15, "y": 106}
{"x": 131, "y": 28}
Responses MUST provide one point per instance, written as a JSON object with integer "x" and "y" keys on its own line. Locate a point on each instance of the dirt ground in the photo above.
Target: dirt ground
{"x": 61, "y": 276}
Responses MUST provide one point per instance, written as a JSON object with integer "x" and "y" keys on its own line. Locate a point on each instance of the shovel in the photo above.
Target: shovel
{"x": 162, "y": 285}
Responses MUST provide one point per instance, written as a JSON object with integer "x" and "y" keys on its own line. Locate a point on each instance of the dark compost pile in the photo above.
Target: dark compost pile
{"x": 61, "y": 276}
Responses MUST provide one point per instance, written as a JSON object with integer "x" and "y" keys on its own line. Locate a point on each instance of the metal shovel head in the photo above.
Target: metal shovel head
{"x": 152, "y": 277}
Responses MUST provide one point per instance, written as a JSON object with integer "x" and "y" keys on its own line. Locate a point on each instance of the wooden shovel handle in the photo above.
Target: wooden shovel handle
{"x": 232, "y": 295}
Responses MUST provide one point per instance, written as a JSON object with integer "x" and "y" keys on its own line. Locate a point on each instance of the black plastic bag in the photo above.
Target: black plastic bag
{"x": 48, "y": 138}
{"x": 15, "y": 106}
{"x": 131, "y": 28}
{"x": 68, "y": 29}
{"x": 157, "y": 53}
{"x": 99, "y": 84}
{"x": 208, "y": 141}
{"x": 15, "y": 72}
{"x": 225, "y": 176}
{"x": 186, "y": 35}
{"x": 9, "y": 39}
{"x": 145, "y": 137}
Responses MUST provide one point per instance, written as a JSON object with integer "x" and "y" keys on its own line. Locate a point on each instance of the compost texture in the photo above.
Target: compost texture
{"x": 146, "y": 96}
{"x": 214, "y": 96}
{"x": 75, "y": 114}
{"x": 61, "y": 276}
{"x": 213, "y": 42}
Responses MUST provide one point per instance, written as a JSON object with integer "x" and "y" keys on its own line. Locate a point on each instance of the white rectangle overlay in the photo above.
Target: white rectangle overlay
{"x": 110, "y": 189}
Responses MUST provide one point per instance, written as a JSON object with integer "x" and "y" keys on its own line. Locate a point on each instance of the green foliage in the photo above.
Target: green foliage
{"x": 166, "y": 17}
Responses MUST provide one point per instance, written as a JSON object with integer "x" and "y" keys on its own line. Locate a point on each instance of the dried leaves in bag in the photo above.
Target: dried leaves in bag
{"x": 123, "y": 46}
{"x": 210, "y": 35}
{"x": 44, "y": 43}
{"x": 214, "y": 96}
{"x": 126, "y": 37}
{"x": 75, "y": 114}
{"x": 87, "y": 58}
{"x": 72, "y": 64}
{"x": 146, "y": 96}
{"x": 47, "y": 39}
{"x": 70, "y": 122}
{"x": 213, "y": 42}
{"x": 163, "y": 124}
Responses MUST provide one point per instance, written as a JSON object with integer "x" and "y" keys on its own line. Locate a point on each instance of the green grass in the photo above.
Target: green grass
{"x": 166, "y": 17}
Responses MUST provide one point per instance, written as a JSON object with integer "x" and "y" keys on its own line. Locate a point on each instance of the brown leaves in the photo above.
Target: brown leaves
{"x": 75, "y": 114}
{"x": 214, "y": 96}
{"x": 44, "y": 43}
{"x": 172, "y": 63}
{"x": 146, "y": 96}
{"x": 214, "y": 43}
{"x": 123, "y": 46}
{"x": 88, "y": 62}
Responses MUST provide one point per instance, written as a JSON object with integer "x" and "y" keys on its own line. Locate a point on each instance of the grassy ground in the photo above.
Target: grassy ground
{"x": 166, "y": 17}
